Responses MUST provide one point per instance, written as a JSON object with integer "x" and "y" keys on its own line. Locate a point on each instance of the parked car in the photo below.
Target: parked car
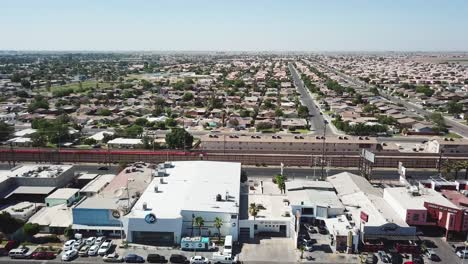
{"x": 133, "y": 258}
{"x": 458, "y": 247}
{"x": 199, "y": 260}
{"x": 177, "y": 258}
{"x": 90, "y": 241}
{"x": 99, "y": 240}
{"x": 69, "y": 254}
{"x": 114, "y": 258}
{"x": 43, "y": 255}
{"x": 105, "y": 247}
{"x": 68, "y": 245}
{"x": 223, "y": 259}
{"x": 308, "y": 246}
{"x": 370, "y": 258}
{"x": 462, "y": 254}
{"x": 19, "y": 253}
{"x": 78, "y": 244}
{"x": 93, "y": 250}
{"x": 156, "y": 258}
{"x": 383, "y": 256}
{"x": 83, "y": 252}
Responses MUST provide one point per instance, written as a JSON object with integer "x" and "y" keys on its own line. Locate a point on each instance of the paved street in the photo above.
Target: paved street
{"x": 316, "y": 120}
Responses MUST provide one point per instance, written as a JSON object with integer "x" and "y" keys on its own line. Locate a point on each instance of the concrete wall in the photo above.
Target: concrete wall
{"x": 94, "y": 217}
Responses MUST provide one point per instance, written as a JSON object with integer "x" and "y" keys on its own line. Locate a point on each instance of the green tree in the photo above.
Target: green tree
{"x": 68, "y": 232}
{"x": 89, "y": 141}
{"x": 281, "y": 182}
{"x": 6, "y": 131}
{"x": 178, "y": 138}
{"x": 31, "y": 229}
{"x": 141, "y": 121}
{"x": 170, "y": 122}
{"x": 9, "y": 224}
{"x": 38, "y": 140}
{"x": 25, "y": 83}
{"x": 454, "y": 108}
{"x": 133, "y": 131}
{"x": 199, "y": 222}
{"x": 187, "y": 97}
{"x": 218, "y": 223}
{"x": 303, "y": 111}
{"x": 38, "y": 102}
{"x": 253, "y": 210}
{"x": 264, "y": 126}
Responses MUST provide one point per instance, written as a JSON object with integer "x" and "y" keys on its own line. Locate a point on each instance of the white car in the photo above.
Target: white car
{"x": 78, "y": 244}
{"x": 114, "y": 257}
{"x": 90, "y": 241}
{"x": 68, "y": 245}
{"x": 69, "y": 254}
{"x": 105, "y": 247}
{"x": 462, "y": 254}
{"x": 199, "y": 260}
{"x": 99, "y": 240}
{"x": 93, "y": 250}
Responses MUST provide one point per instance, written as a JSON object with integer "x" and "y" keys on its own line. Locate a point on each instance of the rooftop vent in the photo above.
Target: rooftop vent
{"x": 156, "y": 189}
{"x": 145, "y": 206}
{"x": 218, "y": 197}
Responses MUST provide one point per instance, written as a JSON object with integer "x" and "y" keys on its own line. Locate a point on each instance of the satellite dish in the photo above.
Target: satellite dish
{"x": 118, "y": 192}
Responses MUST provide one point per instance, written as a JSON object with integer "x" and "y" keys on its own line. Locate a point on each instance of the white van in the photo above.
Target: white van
{"x": 219, "y": 258}
{"x": 19, "y": 253}
{"x": 227, "y": 250}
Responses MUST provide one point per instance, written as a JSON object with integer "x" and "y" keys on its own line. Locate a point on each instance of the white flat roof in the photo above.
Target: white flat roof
{"x": 54, "y": 216}
{"x": 192, "y": 186}
{"x": 63, "y": 193}
{"x": 125, "y": 141}
{"x": 37, "y": 171}
{"x": 311, "y": 197}
{"x": 407, "y": 200}
{"x": 31, "y": 190}
{"x": 98, "y": 183}
{"x": 358, "y": 195}
{"x": 25, "y": 132}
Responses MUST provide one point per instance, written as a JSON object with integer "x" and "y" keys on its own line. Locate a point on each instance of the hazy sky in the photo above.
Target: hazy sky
{"x": 312, "y": 25}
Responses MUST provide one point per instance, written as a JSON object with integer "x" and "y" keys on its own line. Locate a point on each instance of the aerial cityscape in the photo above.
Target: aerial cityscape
{"x": 234, "y": 132}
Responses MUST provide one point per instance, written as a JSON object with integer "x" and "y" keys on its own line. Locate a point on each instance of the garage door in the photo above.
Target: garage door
{"x": 244, "y": 234}
{"x": 153, "y": 238}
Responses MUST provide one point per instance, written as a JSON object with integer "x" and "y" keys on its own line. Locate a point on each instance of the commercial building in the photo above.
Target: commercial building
{"x": 107, "y": 198}
{"x": 31, "y": 182}
{"x": 373, "y": 216}
{"x": 180, "y": 193}
{"x": 421, "y": 206}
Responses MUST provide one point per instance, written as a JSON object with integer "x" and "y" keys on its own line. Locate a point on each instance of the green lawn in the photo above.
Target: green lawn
{"x": 453, "y": 135}
{"x": 75, "y": 86}
{"x": 300, "y": 131}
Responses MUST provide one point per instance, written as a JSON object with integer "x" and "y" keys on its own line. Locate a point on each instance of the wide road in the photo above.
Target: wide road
{"x": 316, "y": 121}
{"x": 453, "y": 125}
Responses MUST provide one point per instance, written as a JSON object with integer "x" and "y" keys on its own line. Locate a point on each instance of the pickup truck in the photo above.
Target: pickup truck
{"x": 105, "y": 247}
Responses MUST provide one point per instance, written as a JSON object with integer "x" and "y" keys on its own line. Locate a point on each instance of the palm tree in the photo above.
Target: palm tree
{"x": 199, "y": 221}
{"x": 218, "y": 223}
{"x": 253, "y": 210}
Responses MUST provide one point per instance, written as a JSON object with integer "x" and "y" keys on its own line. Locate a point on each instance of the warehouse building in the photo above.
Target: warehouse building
{"x": 180, "y": 193}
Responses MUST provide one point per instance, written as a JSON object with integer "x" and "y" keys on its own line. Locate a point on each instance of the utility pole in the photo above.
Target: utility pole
{"x": 322, "y": 162}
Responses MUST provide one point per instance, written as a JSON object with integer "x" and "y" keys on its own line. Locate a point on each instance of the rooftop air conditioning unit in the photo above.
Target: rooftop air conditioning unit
{"x": 167, "y": 164}
{"x": 156, "y": 189}
{"x": 161, "y": 173}
{"x": 161, "y": 181}
{"x": 145, "y": 206}
{"x": 218, "y": 197}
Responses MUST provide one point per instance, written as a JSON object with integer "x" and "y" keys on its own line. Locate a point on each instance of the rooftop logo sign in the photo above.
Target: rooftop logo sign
{"x": 150, "y": 218}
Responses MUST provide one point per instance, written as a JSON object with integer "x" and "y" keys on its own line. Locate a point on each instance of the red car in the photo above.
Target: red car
{"x": 43, "y": 255}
